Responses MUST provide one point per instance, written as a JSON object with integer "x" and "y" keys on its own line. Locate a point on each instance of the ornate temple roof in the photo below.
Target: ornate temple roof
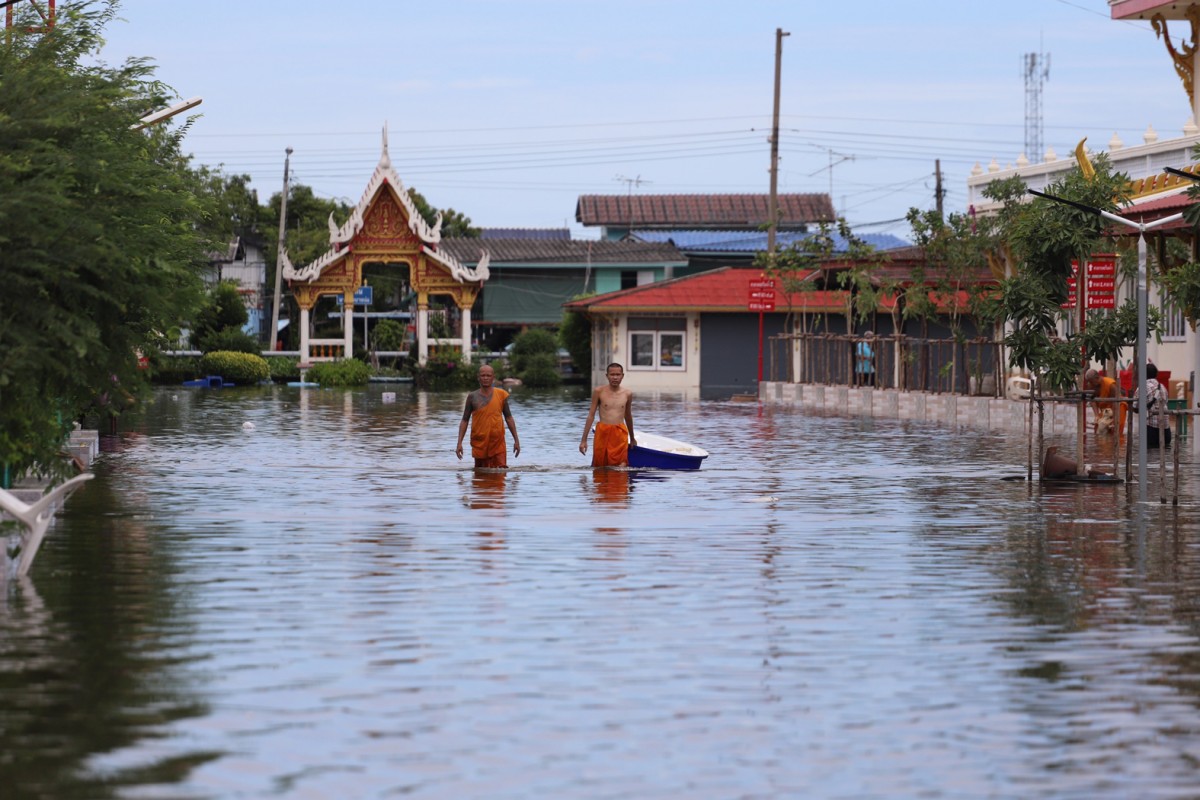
{"x": 339, "y": 237}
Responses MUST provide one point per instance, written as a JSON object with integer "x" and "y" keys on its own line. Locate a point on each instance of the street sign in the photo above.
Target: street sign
{"x": 364, "y": 296}
{"x": 761, "y": 305}
{"x": 1101, "y": 282}
{"x": 762, "y": 283}
{"x": 762, "y": 294}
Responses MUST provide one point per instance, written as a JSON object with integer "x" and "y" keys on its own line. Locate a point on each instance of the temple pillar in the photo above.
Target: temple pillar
{"x": 422, "y": 328}
{"x": 466, "y": 335}
{"x": 304, "y": 354}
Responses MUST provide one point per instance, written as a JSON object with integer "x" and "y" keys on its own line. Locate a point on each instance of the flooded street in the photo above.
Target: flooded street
{"x": 330, "y": 605}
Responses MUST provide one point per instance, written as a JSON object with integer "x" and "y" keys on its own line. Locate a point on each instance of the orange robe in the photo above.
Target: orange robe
{"x": 1108, "y": 388}
{"x": 487, "y": 432}
{"x": 610, "y": 447}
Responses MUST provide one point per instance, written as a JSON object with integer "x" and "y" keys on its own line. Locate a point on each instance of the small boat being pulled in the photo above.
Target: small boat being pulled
{"x": 661, "y": 452}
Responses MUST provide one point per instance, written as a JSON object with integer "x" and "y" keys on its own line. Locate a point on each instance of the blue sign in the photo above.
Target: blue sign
{"x": 364, "y": 296}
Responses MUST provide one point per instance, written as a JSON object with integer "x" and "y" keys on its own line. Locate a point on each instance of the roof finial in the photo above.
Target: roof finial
{"x": 384, "y": 159}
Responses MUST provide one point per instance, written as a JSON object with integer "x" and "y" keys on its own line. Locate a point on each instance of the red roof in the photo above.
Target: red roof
{"x": 726, "y": 290}
{"x": 725, "y": 211}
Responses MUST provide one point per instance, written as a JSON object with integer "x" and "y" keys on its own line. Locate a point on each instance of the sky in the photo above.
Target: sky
{"x": 509, "y": 110}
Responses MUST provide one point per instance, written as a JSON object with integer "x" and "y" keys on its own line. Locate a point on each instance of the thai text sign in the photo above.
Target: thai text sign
{"x": 761, "y": 296}
{"x": 1101, "y": 282}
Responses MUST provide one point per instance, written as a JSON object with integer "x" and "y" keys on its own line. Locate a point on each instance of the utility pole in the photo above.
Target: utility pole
{"x": 279, "y": 251}
{"x": 773, "y": 207}
{"x": 939, "y": 191}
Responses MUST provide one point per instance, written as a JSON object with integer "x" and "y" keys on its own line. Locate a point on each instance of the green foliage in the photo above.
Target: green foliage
{"x": 1183, "y": 285}
{"x": 454, "y": 223}
{"x": 534, "y": 357}
{"x": 1045, "y": 237}
{"x": 230, "y": 339}
{"x": 243, "y": 368}
{"x": 541, "y": 371}
{"x": 284, "y": 368}
{"x": 388, "y": 335}
{"x": 575, "y": 336}
{"x": 100, "y": 242}
{"x": 443, "y": 370}
{"x": 171, "y": 370}
{"x": 222, "y": 309}
{"x": 344, "y": 372}
{"x": 1106, "y": 334}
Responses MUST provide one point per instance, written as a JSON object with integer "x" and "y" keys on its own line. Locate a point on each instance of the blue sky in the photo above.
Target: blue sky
{"x": 508, "y": 110}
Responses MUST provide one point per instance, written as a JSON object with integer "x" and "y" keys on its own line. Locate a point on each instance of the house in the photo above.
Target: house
{"x": 619, "y": 216}
{"x": 699, "y": 335}
{"x": 244, "y": 262}
{"x": 693, "y": 334}
{"x": 531, "y": 278}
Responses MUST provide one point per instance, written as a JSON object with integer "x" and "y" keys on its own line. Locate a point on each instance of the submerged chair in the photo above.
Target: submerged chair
{"x": 22, "y": 546}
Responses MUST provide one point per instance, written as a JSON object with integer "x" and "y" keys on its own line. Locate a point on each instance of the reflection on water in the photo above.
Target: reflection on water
{"x": 331, "y": 605}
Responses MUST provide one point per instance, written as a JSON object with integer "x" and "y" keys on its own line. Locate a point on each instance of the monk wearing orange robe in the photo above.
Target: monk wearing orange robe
{"x": 614, "y": 432}
{"x": 487, "y": 410}
{"x": 1105, "y": 389}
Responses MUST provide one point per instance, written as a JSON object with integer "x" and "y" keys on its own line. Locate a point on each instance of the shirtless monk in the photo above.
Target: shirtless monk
{"x": 487, "y": 409}
{"x": 614, "y": 433}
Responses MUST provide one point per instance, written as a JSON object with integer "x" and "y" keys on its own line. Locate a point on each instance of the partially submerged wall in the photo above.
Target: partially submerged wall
{"x": 955, "y": 411}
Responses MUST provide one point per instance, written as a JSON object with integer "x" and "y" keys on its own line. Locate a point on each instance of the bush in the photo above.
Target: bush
{"x": 388, "y": 335}
{"x": 346, "y": 372}
{"x": 284, "y": 368}
{"x": 541, "y": 370}
{"x": 444, "y": 370}
{"x": 575, "y": 335}
{"x": 534, "y": 357}
{"x": 244, "y": 368}
{"x": 230, "y": 340}
{"x": 166, "y": 369}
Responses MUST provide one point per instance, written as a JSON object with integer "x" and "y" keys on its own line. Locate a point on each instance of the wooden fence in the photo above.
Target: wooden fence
{"x": 970, "y": 367}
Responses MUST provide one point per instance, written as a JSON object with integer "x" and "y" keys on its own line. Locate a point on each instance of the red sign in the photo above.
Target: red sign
{"x": 763, "y": 283}
{"x": 761, "y": 305}
{"x": 762, "y": 294}
{"x": 1101, "y": 282}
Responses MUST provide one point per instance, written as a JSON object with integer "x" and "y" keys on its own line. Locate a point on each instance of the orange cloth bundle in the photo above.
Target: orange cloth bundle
{"x": 610, "y": 447}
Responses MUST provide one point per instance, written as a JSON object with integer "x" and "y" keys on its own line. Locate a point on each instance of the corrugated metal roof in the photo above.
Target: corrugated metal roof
{"x": 555, "y": 251}
{"x": 754, "y": 241}
{"x": 746, "y": 211}
{"x": 525, "y": 233}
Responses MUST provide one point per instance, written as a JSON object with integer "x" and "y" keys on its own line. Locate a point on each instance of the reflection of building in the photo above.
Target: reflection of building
{"x": 245, "y": 264}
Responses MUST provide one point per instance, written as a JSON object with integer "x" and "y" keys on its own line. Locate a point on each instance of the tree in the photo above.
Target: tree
{"x": 1045, "y": 237}
{"x": 100, "y": 247}
{"x": 575, "y": 336}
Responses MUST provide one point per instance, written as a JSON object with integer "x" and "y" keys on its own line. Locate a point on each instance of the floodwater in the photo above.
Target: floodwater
{"x": 330, "y": 605}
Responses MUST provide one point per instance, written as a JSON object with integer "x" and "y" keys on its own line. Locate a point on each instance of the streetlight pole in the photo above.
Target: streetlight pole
{"x": 773, "y": 206}
{"x": 1142, "y": 303}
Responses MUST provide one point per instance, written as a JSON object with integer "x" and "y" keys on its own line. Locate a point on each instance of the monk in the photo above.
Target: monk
{"x": 488, "y": 411}
{"x": 1105, "y": 388}
{"x": 614, "y": 432}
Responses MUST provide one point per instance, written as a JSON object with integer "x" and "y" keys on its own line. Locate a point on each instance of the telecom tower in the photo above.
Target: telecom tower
{"x": 1037, "y": 72}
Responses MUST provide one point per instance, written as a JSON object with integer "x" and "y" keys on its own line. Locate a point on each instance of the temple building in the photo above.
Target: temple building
{"x": 385, "y": 228}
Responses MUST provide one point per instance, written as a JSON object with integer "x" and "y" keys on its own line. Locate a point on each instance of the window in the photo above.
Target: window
{"x": 1174, "y": 324}
{"x": 657, "y": 343}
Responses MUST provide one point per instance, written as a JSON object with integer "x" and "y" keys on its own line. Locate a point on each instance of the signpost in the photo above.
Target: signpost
{"x": 761, "y": 298}
{"x": 1101, "y": 285}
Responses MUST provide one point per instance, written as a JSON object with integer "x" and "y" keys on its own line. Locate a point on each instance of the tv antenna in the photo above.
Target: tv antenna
{"x": 629, "y": 184}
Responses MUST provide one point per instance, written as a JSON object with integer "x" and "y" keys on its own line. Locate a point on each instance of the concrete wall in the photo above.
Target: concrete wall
{"x": 954, "y": 411}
